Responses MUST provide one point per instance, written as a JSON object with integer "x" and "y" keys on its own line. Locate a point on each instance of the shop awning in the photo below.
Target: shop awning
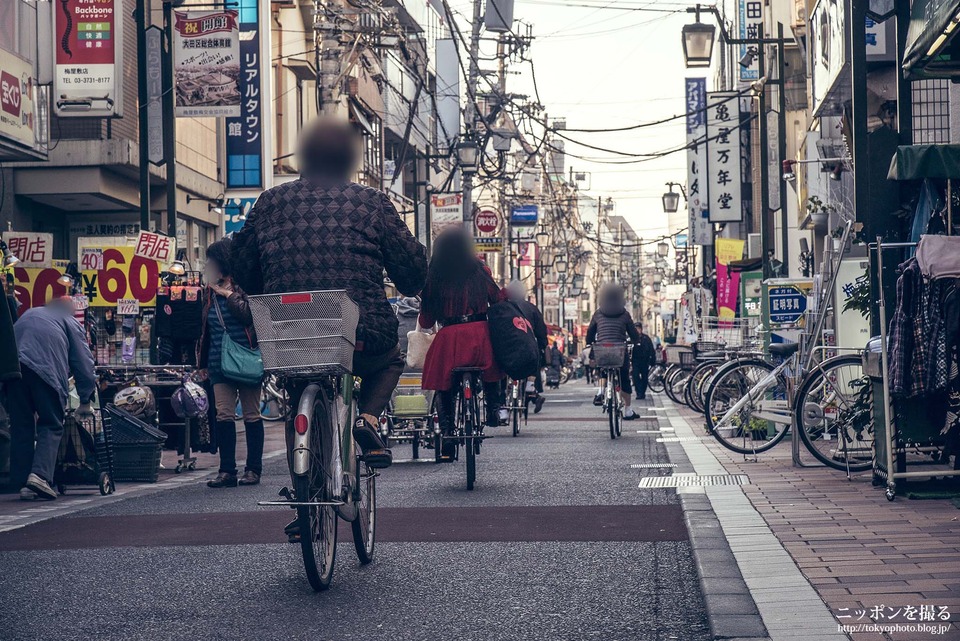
{"x": 928, "y": 52}
{"x": 915, "y": 162}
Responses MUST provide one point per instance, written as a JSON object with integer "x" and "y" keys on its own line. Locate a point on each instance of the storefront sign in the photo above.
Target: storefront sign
{"x": 488, "y": 244}
{"x": 103, "y": 228}
{"x": 571, "y": 308}
{"x": 206, "y": 53}
{"x": 244, "y": 146}
{"x": 16, "y": 99}
{"x": 728, "y": 282}
{"x": 723, "y": 157}
{"x": 528, "y": 254}
{"x": 787, "y": 304}
{"x": 154, "y": 246}
{"x": 487, "y": 221}
{"x": 154, "y": 38}
{"x": 827, "y": 48}
{"x": 524, "y": 215}
{"x": 87, "y": 38}
{"x": 32, "y": 248}
{"x": 551, "y": 294}
{"x": 446, "y": 208}
{"x": 701, "y": 229}
{"x": 750, "y": 24}
{"x": 235, "y": 212}
{"x": 124, "y": 276}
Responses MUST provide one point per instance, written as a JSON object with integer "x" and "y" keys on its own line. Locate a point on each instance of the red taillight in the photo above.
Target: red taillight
{"x": 293, "y": 299}
{"x": 467, "y": 393}
{"x": 383, "y": 421}
{"x": 300, "y": 424}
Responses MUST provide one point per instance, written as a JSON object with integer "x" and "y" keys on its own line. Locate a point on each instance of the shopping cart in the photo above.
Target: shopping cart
{"x": 86, "y": 453}
{"x": 411, "y": 416}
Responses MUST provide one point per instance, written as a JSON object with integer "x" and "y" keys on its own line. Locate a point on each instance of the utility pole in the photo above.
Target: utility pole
{"x": 328, "y": 64}
{"x": 471, "y": 111}
{"x": 169, "y": 121}
{"x": 143, "y": 119}
{"x": 507, "y": 229}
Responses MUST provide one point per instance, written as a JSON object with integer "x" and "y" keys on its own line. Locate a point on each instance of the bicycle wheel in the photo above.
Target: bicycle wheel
{"x": 515, "y": 408}
{"x": 365, "y": 525}
{"x": 745, "y": 431}
{"x": 675, "y": 385}
{"x": 610, "y": 399}
{"x": 693, "y": 394}
{"x": 469, "y": 430}
{"x": 618, "y": 406}
{"x": 834, "y": 413}
{"x": 318, "y": 523}
{"x": 655, "y": 378}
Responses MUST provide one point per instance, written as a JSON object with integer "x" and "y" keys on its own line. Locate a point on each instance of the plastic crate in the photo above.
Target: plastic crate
{"x": 137, "y": 462}
{"x": 127, "y": 429}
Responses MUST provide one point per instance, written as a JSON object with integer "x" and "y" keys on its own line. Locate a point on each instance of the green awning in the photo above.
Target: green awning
{"x": 915, "y": 162}
{"x": 933, "y": 24}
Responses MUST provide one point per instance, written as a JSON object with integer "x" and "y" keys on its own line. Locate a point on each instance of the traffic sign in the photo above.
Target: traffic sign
{"x": 787, "y": 304}
{"x": 487, "y": 221}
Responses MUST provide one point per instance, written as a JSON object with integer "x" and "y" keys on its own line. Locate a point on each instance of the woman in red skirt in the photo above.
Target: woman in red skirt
{"x": 458, "y": 292}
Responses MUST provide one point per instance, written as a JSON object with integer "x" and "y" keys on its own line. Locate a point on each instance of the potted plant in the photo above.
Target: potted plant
{"x": 819, "y": 211}
{"x": 837, "y": 236}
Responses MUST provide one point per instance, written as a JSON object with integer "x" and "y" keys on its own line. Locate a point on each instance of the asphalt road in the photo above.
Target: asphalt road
{"x": 555, "y": 543}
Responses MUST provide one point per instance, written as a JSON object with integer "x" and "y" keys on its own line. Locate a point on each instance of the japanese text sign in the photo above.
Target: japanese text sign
{"x": 723, "y": 157}
{"x": 32, "y": 248}
{"x": 206, "y": 48}
{"x": 701, "y": 229}
{"x": 124, "y": 276}
{"x": 244, "y": 145}
{"x": 154, "y": 246}
{"x": 16, "y": 99}
{"x": 86, "y": 39}
{"x": 750, "y": 26}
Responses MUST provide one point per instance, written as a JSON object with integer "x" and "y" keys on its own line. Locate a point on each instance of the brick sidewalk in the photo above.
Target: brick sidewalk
{"x": 856, "y": 548}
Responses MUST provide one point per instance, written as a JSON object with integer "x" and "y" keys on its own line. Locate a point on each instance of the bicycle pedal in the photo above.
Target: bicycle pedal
{"x": 286, "y": 493}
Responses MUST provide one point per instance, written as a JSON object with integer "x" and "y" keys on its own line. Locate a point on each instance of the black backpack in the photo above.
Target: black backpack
{"x": 514, "y": 345}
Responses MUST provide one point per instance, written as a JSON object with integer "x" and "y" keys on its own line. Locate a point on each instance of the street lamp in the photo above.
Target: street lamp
{"x": 671, "y": 199}
{"x": 9, "y": 259}
{"x": 560, "y": 265}
{"x": 468, "y": 155}
{"x": 698, "y": 39}
{"x": 663, "y": 249}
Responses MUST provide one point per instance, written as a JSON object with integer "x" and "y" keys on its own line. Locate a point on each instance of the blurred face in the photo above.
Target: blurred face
{"x": 211, "y": 272}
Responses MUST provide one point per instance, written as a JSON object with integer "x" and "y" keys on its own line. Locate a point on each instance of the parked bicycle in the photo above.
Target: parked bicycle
{"x": 307, "y": 339}
{"x": 274, "y": 401}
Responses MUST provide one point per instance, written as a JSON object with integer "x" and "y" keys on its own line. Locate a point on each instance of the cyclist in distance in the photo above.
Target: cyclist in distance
{"x": 611, "y": 323}
{"x": 324, "y": 231}
{"x": 517, "y": 293}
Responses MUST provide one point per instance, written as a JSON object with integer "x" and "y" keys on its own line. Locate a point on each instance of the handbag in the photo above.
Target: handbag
{"x": 418, "y": 344}
{"x": 238, "y": 364}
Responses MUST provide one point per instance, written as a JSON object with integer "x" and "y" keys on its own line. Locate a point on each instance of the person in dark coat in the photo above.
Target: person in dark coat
{"x": 458, "y": 292}
{"x": 323, "y": 231}
{"x": 642, "y": 358}
{"x": 611, "y": 323}
{"x": 226, "y": 312}
{"x": 9, "y": 361}
{"x": 517, "y": 292}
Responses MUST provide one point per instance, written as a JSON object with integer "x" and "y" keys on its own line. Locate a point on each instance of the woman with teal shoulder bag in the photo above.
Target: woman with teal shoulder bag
{"x": 228, "y": 355}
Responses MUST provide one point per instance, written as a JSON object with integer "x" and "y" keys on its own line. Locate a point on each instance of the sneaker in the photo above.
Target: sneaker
{"x": 375, "y": 453}
{"x": 249, "y": 478}
{"x": 504, "y": 416}
{"x": 41, "y": 488}
{"x": 598, "y": 400}
{"x": 629, "y": 415}
{"x": 223, "y": 479}
{"x": 538, "y": 404}
{"x": 26, "y": 494}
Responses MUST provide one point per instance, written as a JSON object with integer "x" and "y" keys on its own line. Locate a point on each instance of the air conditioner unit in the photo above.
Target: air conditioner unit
{"x": 754, "y": 246}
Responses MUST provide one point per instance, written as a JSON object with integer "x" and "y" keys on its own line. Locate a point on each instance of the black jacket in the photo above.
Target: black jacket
{"x": 532, "y": 313}
{"x": 643, "y": 354}
{"x": 612, "y": 326}
{"x": 9, "y": 361}
{"x": 306, "y": 236}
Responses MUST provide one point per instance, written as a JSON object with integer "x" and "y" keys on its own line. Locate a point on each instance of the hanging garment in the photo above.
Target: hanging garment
{"x": 902, "y": 327}
{"x": 939, "y": 256}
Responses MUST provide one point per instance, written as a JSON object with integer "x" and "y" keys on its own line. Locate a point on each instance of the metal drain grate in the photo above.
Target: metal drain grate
{"x": 652, "y": 466}
{"x": 677, "y": 439}
{"x": 693, "y": 480}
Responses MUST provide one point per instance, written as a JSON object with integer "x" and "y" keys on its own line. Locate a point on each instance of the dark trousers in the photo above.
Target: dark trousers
{"x": 36, "y": 427}
{"x": 227, "y": 444}
{"x": 641, "y": 373}
{"x": 493, "y": 399}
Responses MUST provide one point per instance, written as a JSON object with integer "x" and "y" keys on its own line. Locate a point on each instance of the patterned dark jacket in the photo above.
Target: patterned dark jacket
{"x": 306, "y": 235}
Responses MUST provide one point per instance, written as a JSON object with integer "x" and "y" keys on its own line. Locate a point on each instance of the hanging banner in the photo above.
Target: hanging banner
{"x": 688, "y": 321}
{"x": 728, "y": 282}
{"x": 723, "y": 157}
{"x": 154, "y": 38}
{"x": 244, "y": 146}
{"x": 528, "y": 254}
{"x": 206, "y": 55}
{"x": 446, "y": 209}
{"x": 750, "y": 26}
{"x": 16, "y": 99}
{"x": 35, "y": 250}
{"x": 87, "y": 40}
{"x": 700, "y": 227}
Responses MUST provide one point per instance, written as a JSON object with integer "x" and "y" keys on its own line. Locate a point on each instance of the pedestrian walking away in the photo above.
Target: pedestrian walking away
{"x": 51, "y": 347}
{"x": 642, "y": 358}
{"x": 227, "y": 317}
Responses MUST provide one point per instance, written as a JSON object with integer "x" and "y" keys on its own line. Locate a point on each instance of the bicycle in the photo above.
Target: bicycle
{"x": 518, "y": 404}
{"x": 656, "y": 377}
{"x": 307, "y": 339}
{"x": 609, "y": 359}
{"x": 468, "y": 427}
{"x": 274, "y": 401}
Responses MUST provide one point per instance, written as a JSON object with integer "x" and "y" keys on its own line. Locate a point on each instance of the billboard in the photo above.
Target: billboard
{"x": 724, "y": 172}
{"x": 17, "y": 117}
{"x": 245, "y": 131}
{"x": 87, "y": 40}
{"x": 206, "y": 58}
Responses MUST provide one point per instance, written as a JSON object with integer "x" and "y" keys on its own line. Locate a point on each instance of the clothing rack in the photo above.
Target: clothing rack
{"x": 890, "y": 428}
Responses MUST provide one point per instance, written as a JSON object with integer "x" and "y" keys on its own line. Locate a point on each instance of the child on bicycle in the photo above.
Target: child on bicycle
{"x": 611, "y": 323}
{"x": 458, "y": 292}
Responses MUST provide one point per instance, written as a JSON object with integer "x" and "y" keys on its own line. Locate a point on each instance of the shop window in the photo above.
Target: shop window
{"x": 243, "y": 170}
{"x": 931, "y": 111}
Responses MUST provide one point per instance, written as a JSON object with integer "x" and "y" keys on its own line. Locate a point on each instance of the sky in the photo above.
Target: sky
{"x": 603, "y": 66}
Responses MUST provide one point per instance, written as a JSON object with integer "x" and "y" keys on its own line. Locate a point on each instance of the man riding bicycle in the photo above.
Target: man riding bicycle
{"x": 323, "y": 231}
{"x": 517, "y": 292}
{"x": 611, "y": 323}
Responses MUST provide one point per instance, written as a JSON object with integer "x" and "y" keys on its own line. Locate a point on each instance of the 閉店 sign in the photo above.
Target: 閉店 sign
{"x": 206, "y": 48}
{"x": 34, "y": 249}
{"x": 723, "y": 175}
{"x": 701, "y": 229}
{"x": 86, "y": 38}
